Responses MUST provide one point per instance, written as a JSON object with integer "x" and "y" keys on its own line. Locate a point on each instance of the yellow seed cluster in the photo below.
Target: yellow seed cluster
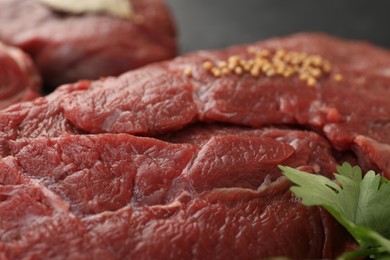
{"x": 338, "y": 77}
{"x": 282, "y": 63}
{"x": 188, "y": 72}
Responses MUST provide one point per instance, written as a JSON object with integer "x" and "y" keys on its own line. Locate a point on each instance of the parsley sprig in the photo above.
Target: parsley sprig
{"x": 360, "y": 204}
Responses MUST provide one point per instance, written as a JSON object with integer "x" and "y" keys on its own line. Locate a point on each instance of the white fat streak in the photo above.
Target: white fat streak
{"x": 57, "y": 203}
{"x": 118, "y": 8}
{"x": 174, "y": 204}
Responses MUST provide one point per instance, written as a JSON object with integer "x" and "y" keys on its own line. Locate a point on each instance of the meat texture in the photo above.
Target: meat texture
{"x": 222, "y": 224}
{"x": 19, "y": 79}
{"x": 347, "y": 102}
{"x": 203, "y": 178}
{"x": 37, "y": 224}
{"x": 134, "y": 194}
{"x": 103, "y": 173}
{"x": 119, "y": 164}
{"x": 67, "y": 48}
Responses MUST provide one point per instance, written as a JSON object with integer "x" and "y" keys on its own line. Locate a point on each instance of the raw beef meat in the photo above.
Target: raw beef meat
{"x": 201, "y": 179}
{"x": 226, "y": 151}
{"x": 37, "y": 224}
{"x": 222, "y": 224}
{"x": 244, "y": 99}
{"x": 350, "y": 101}
{"x": 40, "y": 117}
{"x": 174, "y": 194}
{"x": 67, "y": 48}
{"x": 104, "y": 172}
{"x": 19, "y": 80}
{"x": 167, "y": 96}
{"x": 118, "y": 164}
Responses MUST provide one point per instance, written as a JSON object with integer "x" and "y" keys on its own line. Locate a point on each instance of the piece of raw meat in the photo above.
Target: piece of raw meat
{"x": 244, "y": 99}
{"x": 37, "y": 224}
{"x": 136, "y": 194}
{"x": 96, "y": 173}
{"x": 225, "y": 151}
{"x": 223, "y": 223}
{"x": 203, "y": 178}
{"x": 103, "y": 172}
{"x": 67, "y": 48}
{"x": 312, "y": 152}
{"x": 40, "y": 117}
{"x": 348, "y": 100}
{"x": 19, "y": 79}
{"x": 230, "y": 223}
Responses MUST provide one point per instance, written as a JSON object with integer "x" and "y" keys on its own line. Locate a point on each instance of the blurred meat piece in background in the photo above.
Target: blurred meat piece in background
{"x": 68, "y": 47}
{"x": 19, "y": 79}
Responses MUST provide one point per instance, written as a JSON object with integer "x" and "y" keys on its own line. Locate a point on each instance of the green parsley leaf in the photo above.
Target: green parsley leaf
{"x": 360, "y": 204}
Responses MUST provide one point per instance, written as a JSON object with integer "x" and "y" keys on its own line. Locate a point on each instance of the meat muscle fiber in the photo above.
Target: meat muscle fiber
{"x": 222, "y": 224}
{"x": 19, "y": 79}
{"x": 37, "y": 224}
{"x": 350, "y": 101}
{"x": 142, "y": 170}
{"x": 135, "y": 194}
{"x": 67, "y": 48}
{"x": 203, "y": 177}
{"x": 161, "y": 98}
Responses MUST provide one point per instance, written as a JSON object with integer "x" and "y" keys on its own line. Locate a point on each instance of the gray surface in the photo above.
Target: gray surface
{"x": 210, "y": 24}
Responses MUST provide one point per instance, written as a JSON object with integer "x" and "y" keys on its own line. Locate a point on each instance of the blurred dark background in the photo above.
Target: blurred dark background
{"x": 211, "y": 24}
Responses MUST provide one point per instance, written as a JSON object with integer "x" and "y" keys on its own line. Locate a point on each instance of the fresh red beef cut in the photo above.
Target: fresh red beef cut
{"x": 41, "y": 117}
{"x": 226, "y": 151}
{"x": 106, "y": 172}
{"x": 136, "y": 194}
{"x": 345, "y": 86}
{"x": 37, "y": 224}
{"x": 312, "y": 152}
{"x": 67, "y": 47}
{"x": 203, "y": 178}
{"x": 19, "y": 79}
{"x": 118, "y": 164}
{"x": 222, "y": 224}
{"x": 242, "y": 98}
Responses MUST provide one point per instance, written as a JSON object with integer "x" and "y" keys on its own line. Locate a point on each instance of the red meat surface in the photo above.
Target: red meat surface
{"x": 19, "y": 80}
{"x": 222, "y": 224}
{"x": 149, "y": 171}
{"x": 67, "y": 48}
{"x": 37, "y": 224}
{"x": 312, "y": 152}
{"x": 342, "y": 110}
{"x": 201, "y": 178}
{"x": 104, "y": 172}
{"x": 130, "y": 196}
